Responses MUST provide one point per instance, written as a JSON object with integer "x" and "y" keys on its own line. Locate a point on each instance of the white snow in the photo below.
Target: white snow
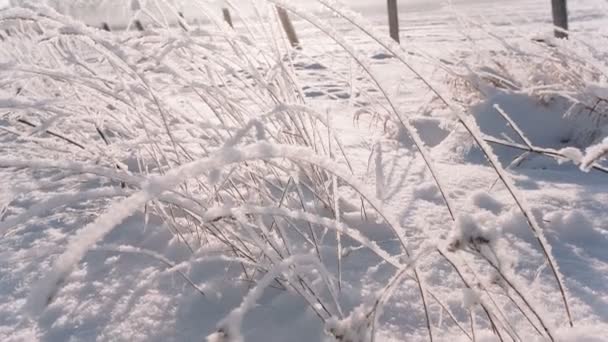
{"x": 593, "y": 154}
{"x": 194, "y": 181}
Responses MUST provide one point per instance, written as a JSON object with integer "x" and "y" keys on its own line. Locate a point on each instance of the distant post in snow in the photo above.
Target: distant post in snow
{"x": 393, "y": 19}
{"x": 227, "y": 16}
{"x": 138, "y": 25}
{"x": 181, "y": 20}
{"x": 560, "y": 17}
{"x": 288, "y": 27}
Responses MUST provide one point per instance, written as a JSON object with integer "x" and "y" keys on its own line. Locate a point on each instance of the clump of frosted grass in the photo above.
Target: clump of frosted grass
{"x": 204, "y": 128}
{"x": 570, "y": 75}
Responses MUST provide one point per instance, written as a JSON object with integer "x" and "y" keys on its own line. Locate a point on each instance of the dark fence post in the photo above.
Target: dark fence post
{"x": 560, "y": 17}
{"x": 138, "y": 25}
{"x": 288, "y": 27}
{"x": 181, "y": 20}
{"x": 393, "y": 19}
{"x": 227, "y": 16}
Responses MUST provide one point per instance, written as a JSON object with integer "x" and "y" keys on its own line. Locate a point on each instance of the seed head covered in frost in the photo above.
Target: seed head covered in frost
{"x": 354, "y": 328}
{"x": 572, "y": 154}
{"x": 593, "y": 154}
{"x": 469, "y": 232}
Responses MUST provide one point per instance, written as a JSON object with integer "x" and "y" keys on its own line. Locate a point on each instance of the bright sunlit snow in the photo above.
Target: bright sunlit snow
{"x": 167, "y": 177}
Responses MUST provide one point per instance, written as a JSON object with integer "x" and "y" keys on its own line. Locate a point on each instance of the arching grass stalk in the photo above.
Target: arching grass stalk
{"x": 475, "y": 133}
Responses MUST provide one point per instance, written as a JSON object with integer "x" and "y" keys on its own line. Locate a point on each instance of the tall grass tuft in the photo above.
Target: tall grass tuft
{"x": 208, "y": 128}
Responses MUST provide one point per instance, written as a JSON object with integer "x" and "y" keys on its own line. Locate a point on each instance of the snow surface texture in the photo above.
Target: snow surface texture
{"x": 194, "y": 182}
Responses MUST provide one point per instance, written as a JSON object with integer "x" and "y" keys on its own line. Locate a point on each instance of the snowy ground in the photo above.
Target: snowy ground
{"x": 140, "y": 293}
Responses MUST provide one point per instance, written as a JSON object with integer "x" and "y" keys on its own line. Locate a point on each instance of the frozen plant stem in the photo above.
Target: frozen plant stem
{"x": 473, "y": 130}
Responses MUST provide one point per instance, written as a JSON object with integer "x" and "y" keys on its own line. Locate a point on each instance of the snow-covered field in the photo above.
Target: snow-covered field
{"x": 213, "y": 184}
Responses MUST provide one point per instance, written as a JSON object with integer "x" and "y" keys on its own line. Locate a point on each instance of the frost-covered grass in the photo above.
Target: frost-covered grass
{"x": 234, "y": 150}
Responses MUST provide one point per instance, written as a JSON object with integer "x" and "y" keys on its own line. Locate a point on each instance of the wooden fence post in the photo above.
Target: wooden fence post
{"x": 288, "y": 27}
{"x": 393, "y": 19}
{"x": 227, "y": 16}
{"x": 138, "y": 25}
{"x": 181, "y": 20}
{"x": 560, "y": 17}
